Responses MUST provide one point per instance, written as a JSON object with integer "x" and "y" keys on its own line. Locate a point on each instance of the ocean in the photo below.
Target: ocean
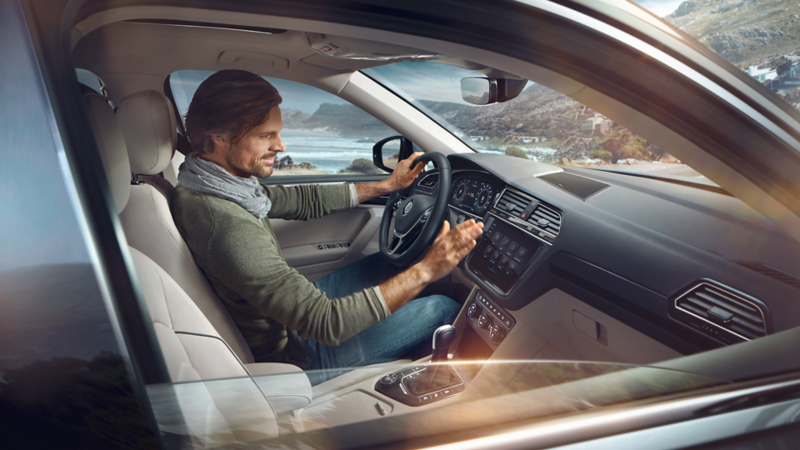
{"x": 332, "y": 153}
{"x": 329, "y": 153}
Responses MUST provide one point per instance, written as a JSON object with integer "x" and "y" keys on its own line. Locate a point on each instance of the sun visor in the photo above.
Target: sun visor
{"x": 361, "y": 50}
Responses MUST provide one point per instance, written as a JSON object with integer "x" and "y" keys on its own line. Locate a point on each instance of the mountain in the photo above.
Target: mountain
{"x": 538, "y": 111}
{"x": 343, "y": 120}
{"x": 745, "y": 32}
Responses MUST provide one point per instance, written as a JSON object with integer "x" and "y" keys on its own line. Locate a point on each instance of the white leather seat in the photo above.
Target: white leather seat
{"x": 150, "y": 136}
{"x": 237, "y": 408}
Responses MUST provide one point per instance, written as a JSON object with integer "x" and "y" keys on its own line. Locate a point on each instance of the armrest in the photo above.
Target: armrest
{"x": 286, "y": 386}
{"x": 269, "y": 368}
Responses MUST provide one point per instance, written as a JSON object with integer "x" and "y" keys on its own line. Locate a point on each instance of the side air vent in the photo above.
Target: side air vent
{"x": 429, "y": 181}
{"x": 529, "y": 213}
{"x": 721, "y": 312}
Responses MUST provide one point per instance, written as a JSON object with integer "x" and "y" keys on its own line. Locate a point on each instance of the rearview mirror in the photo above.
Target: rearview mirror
{"x": 485, "y": 91}
{"x": 390, "y": 151}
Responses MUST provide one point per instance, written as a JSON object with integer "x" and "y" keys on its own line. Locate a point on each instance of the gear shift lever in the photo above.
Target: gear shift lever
{"x": 442, "y": 338}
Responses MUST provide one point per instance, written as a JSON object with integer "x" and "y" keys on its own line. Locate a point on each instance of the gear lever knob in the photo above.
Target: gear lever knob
{"x": 443, "y": 337}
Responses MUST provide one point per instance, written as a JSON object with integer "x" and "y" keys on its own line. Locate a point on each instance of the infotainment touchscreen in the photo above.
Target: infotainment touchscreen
{"x": 503, "y": 254}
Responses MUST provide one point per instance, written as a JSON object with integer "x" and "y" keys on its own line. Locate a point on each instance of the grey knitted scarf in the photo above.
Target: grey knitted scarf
{"x": 204, "y": 176}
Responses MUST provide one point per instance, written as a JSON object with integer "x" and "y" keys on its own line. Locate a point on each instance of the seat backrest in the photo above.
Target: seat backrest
{"x": 213, "y": 411}
{"x": 149, "y": 129}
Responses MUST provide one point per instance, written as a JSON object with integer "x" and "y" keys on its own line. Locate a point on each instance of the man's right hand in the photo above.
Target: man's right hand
{"x": 450, "y": 247}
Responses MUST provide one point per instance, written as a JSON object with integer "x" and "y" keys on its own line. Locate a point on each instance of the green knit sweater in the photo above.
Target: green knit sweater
{"x": 242, "y": 259}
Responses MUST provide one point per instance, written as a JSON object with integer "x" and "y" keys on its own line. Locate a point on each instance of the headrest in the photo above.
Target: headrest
{"x": 148, "y": 124}
{"x": 111, "y": 144}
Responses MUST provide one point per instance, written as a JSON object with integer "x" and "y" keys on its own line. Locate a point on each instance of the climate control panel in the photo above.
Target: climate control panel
{"x": 489, "y": 320}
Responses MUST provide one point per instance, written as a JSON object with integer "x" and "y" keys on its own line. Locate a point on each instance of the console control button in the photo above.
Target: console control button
{"x": 483, "y": 321}
{"x": 389, "y": 379}
{"x": 497, "y": 333}
{"x": 473, "y": 310}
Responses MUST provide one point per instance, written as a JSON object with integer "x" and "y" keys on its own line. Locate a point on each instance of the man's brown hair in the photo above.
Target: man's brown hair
{"x": 229, "y": 103}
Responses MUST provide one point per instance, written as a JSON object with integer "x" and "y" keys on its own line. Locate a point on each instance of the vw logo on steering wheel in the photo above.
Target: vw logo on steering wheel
{"x": 408, "y": 206}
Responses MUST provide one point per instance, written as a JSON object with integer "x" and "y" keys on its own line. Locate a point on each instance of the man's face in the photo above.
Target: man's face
{"x": 256, "y": 152}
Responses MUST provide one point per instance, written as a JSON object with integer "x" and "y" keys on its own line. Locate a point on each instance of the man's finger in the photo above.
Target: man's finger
{"x": 445, "y": 229}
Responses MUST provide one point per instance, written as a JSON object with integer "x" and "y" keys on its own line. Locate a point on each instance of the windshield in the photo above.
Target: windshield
{"x": 760, "y": 37}
{"x": 540, "y": 124}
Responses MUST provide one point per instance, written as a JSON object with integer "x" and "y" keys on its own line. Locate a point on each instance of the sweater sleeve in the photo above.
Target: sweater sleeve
{"x": 246, "y": 260}
{"x": 309, "y": 201}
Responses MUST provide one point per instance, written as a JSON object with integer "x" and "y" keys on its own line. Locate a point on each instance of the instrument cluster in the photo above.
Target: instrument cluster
{"x": 472, "y": 195}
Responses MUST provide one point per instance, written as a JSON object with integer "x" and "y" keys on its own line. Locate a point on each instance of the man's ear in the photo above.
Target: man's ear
{"x": 218, "y": 141}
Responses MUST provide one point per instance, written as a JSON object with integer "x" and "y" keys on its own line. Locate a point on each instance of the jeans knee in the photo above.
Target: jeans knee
{"x": 447, "y": 306}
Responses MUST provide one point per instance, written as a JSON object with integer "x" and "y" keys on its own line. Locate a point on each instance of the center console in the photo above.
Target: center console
{"x": 482, "y": 327}
{"x": 503, "y": 254}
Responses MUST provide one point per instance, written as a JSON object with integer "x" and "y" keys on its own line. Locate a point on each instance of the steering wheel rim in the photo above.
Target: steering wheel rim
{"x": 417, "y": 218}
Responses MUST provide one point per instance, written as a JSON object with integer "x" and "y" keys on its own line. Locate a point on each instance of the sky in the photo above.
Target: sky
{"x": 660, "y": 7}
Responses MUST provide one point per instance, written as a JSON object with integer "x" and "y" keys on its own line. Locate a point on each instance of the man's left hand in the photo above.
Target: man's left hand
{"x": 403, "y": 174}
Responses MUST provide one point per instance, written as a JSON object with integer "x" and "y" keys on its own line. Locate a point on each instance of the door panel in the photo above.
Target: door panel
{"x": 300, "y": 240}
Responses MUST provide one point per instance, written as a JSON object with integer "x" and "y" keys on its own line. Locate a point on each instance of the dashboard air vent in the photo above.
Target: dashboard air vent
{"x": 546, "y": 219}
{"x": 514, "y": 203}
{"x": 724, "y": 314}
{"x": 430, "y": 181}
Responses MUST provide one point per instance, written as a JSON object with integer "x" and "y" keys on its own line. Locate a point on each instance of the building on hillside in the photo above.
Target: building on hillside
{"x": 529, "y": 139}
{"x": 478, "y": 138}
{"x": 762, "y": 75}
{"x": 595, "y": 126}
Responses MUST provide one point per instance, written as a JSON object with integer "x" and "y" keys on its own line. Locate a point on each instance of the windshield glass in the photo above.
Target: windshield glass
{"x": 540, "y": 124}
{"x": 760, "y": 37}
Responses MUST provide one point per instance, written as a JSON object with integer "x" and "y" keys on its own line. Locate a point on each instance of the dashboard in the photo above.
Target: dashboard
{"x": 472, "y": 194}
{"x": 691, "y": 267}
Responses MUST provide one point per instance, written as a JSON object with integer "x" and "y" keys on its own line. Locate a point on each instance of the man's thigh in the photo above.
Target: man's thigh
{"x": 386, "y": 341}
{"x": 369, "y": 271}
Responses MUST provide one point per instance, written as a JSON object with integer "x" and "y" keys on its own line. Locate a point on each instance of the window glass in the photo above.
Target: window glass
{"x": 89, "y": 79}
{"x": 324, "y": 135}
{"x": 760, "y": 37}
{"x": 254, "y": 410}
{"x": 63, "y": 378}
{"x": 540, "y": 124}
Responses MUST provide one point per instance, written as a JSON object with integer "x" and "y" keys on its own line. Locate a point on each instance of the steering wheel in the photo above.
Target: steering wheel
{"x": 411, "y": 223}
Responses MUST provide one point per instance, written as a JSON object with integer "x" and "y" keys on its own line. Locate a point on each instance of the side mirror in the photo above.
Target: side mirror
{"x": 390, "y": 151}
{"x": 485, "y": 91}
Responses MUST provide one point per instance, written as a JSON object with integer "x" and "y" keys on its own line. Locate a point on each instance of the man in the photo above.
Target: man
{"x": 354, "y": 316}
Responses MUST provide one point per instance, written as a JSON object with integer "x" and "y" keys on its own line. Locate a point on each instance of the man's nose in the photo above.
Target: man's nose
{"x": 279, "y": 145}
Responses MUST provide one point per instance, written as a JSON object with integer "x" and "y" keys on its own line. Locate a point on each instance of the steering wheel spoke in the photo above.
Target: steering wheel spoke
{"x": 409, "y": 221}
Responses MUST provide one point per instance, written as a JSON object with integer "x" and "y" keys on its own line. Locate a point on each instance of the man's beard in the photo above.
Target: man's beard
{"x": 262, "y": 171}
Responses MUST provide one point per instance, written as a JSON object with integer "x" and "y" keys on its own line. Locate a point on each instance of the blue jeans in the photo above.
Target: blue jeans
{"x": 405, "y": 329}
